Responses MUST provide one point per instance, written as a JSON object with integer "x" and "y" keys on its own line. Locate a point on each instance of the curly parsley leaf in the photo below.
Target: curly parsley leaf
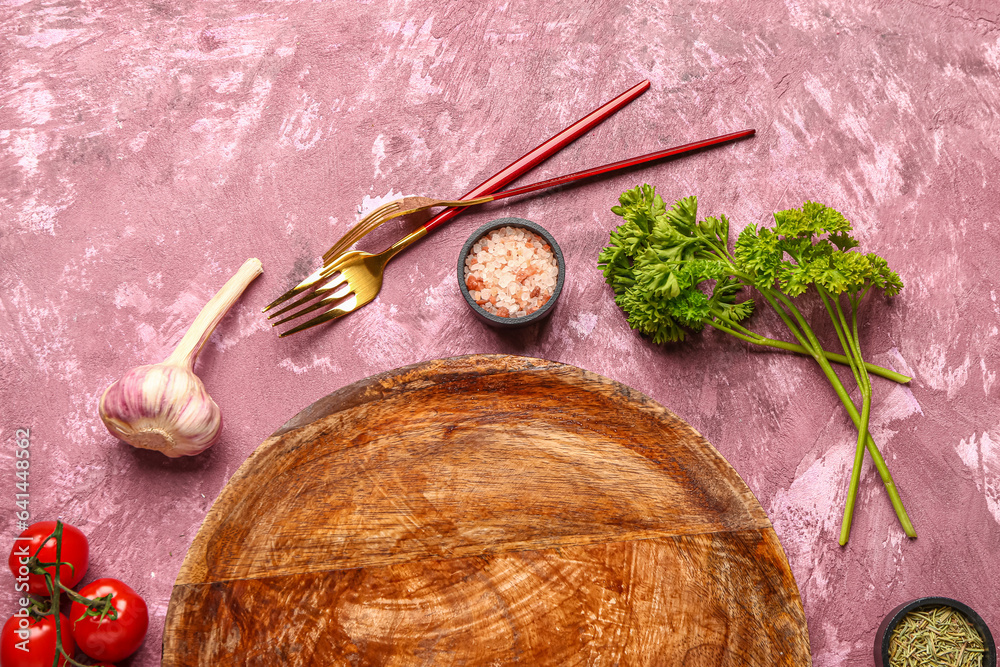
{"x": 673, "y": 274}
{"x": 666, "y": 269}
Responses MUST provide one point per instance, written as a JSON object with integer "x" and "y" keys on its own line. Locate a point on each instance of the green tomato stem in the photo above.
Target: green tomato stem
{"x": 54, "y": 591}
{"x": 73, "y": 595}
{"x": 68, "y": 658}
{"x": 55, "y": 585}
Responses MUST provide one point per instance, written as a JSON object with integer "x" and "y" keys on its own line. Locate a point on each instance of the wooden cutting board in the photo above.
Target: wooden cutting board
{"x": 486, "y": 510}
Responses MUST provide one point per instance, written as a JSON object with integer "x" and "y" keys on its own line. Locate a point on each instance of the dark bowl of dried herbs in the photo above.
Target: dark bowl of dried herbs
{"x": 934, "y": 631}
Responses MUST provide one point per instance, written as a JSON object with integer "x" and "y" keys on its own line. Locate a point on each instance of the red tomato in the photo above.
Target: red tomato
{"x": 107, "y": 639}
{"x": 36, "y": 645}
{"x": 75, "y": 552}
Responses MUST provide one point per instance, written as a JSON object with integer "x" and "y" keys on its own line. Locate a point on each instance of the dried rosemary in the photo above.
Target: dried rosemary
{"x": 936, "y": 637}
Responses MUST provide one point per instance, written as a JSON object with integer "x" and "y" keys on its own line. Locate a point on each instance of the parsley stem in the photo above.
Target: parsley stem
{"x": 857, "y": 344}
{"x": 786, "y": 310}
{"x": 786, "y": 317}
{"x": 849, "y": 340}
{"x": 852, "y": 411}
{"x": 859, "y": 452}
{"x": 852, "y": 489}
{"x": 839, "y": 326}
{"x": 718, "y": 251}
{"x": 750, "y": 336}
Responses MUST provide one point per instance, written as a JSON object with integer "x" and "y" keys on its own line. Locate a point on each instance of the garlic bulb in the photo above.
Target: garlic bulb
{"x": 165, "y": 406}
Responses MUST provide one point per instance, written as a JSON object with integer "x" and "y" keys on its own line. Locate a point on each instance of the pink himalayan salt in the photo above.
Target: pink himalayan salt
{"x": 511, "y": 272}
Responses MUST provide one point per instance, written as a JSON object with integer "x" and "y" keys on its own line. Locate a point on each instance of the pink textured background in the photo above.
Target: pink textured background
{"x": 146, "y": 150}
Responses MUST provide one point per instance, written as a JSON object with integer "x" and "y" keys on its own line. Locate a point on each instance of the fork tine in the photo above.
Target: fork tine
{"x": 363, "y": 226}
{"x": 336, "y": 254}
{"x": 332, "y": 314}
{"x": 319, "y": 291}
{"x": 317, "y": 278}
{"x": 313, "y": 278}
{"x": 353, "y": 235}
{"x": 363, "y": 274}
{"x": 392, "y": 210}
{"x": 316, "y": 306}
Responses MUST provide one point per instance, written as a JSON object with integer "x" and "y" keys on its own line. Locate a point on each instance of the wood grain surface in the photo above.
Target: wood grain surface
{"x": 485, "y": 510}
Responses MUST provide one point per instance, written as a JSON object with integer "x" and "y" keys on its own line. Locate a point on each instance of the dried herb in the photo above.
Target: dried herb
{"x": 936, "y": 637}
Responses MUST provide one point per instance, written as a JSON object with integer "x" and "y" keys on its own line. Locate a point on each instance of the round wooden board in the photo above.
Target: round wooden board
{"x": 486, "y": 510}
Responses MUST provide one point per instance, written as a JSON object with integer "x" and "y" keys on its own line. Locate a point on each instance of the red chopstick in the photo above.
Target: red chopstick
{"x": 624, "y": 164}
{"x": 542, "y": 152}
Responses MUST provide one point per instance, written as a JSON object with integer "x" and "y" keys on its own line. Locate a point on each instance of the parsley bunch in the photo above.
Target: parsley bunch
{"x": 673, "y": 274}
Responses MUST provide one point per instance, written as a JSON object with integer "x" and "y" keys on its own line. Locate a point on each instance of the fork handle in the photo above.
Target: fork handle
{"x": 541, "y": 153}
{"x": 404, "y": 243}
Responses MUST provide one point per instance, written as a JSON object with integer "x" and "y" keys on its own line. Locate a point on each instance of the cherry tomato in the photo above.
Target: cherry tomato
{"x": 75, "y": 552}
{"x": 104, "y": 638}
{"x": 35, "y": 644}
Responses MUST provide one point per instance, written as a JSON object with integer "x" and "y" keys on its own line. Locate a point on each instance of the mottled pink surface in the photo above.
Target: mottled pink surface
{"x": 146, "y": 150}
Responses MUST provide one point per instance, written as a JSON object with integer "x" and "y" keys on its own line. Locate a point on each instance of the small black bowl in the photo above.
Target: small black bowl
{"x": 511, "y": 322}
{"x": 894, "y": 617}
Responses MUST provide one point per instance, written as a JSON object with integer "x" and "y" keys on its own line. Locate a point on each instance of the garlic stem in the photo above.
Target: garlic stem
{"x": 213, "y": 312}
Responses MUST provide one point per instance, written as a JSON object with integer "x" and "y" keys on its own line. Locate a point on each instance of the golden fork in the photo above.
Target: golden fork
{"x": 517, "y": 168}
{"x": 386, "y": 212}
{"x": 362, "y": 272}
{"x": 394, "y": 209}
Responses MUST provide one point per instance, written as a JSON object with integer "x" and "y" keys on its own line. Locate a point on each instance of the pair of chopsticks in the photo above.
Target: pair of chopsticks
{"x": 562, "y": 139}
{"x": 359, "y": 275}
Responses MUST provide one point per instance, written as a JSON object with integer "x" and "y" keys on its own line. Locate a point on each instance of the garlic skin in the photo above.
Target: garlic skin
{"x": 165, "y": 407}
